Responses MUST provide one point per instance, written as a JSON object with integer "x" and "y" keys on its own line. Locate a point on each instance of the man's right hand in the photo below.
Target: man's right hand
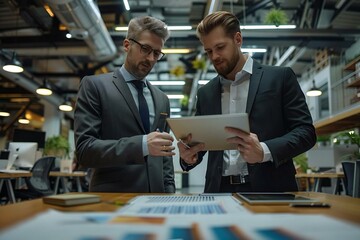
{"x": 160, "y": 144}
{"x": 187, "y": 153}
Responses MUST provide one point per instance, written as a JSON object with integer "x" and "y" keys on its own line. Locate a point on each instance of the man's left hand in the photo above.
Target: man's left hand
{"x": 248, "y": 145}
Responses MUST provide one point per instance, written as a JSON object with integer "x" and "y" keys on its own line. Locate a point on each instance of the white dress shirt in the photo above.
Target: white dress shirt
{"x": 233, "y": 100}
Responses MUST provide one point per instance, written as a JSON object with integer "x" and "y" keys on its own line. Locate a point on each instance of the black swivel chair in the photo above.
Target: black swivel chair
{"x": 356, "y": 186}
{"x": 349, "y": 170}
{"x": 39, "y": 183}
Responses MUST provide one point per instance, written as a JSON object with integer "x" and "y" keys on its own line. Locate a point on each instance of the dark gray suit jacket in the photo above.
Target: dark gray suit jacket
{"x": 108, "y": 135}
{"x": 278, "y": 114}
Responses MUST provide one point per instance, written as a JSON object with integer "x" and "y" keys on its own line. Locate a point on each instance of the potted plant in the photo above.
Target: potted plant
{"x": 57, "y": 146}
{"x": 199, "y": 63}
{"x": 178, "y": 71}
{"x": 349, "y": 137}
{"x": 301, "y": 162}
{"x": 323, "y": 140}
{"x": 276, "y": 17}
{"x": 184, "y": 102}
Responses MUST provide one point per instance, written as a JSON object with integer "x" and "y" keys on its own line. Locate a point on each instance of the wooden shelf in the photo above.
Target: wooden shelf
{"x": 354, "y": 84}
{"x": 351, "y": 65}
{"x": 343, "y": 121}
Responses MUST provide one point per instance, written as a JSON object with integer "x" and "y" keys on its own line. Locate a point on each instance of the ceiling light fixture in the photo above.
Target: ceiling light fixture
{"x": 175, "y": 96}
{"x": 4, "y": 114}
{"x": 176, "y": 50}
{"x": 23, "y": 120}
{"x": 314, "y": 91}
{"x": 245, "y": 27}
{"x": 126, "y": 5}
{"x": 66, "y": 106}
{"x": 44, "y": 89}
{"x": 14, "y": 65}
{"x": 173, "y": 110}
{"x": 203, "y": 82}
{"x": 168, "y": 83}
{"x": 264, "y": 27}
{"x": 254, "y": 50}
{"x": 171, "y": 28}
{"x": 48, "y": 10}
{"x": 179, "y": 28}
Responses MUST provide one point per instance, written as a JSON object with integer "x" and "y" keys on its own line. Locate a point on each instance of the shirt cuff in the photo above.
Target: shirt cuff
{"x": 145, "y": 149}
{"x": 267, "y": 153}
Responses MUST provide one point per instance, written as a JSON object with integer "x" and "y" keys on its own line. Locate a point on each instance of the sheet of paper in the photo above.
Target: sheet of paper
{"x": 119, "y": 225}
{"x": 183, "y": 205}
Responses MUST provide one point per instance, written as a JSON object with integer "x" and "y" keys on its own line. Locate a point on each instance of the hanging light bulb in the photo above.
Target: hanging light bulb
{"x": 14, "y": 65}
{"x": 23, "y": 120}
{"x": 66, "y": 106}
{"x": 4, "y": 114}
{"x": 314, "y": 91}
{"x": 44, "y": 89}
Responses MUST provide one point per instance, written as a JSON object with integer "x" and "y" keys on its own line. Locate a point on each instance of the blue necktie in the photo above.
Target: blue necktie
{"x": 143, "y": 107}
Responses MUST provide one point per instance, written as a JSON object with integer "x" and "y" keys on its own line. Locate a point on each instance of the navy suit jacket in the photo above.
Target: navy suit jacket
{"x": 108, "y": 134}
{"x": 280, "y": 117}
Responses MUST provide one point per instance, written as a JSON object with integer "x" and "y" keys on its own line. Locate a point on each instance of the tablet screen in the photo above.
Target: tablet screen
{"x": 273, "y": 198}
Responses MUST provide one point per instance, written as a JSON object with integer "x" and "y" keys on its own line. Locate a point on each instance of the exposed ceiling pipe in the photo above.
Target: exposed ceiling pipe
{"x": 83, "y": 19}
{"x": 285, "y": 56}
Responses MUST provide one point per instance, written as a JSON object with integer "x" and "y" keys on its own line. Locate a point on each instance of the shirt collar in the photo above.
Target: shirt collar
{"x": 128, "y": 76}
{"x": 248, "y": 66}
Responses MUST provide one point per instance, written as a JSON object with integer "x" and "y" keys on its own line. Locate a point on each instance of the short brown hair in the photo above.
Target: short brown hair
{"x": 154, "y": 25}
{"x": 227, "y": 20}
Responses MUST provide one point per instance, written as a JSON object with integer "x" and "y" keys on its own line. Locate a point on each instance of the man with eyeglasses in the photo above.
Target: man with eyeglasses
{"x": 120, "y": 119}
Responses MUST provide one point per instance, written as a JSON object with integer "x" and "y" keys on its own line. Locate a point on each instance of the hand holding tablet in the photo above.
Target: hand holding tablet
{"x": 209, "y": 129}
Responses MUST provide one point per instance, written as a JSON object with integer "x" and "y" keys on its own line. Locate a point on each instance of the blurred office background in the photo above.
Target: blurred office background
{"x": 58, "y": 42}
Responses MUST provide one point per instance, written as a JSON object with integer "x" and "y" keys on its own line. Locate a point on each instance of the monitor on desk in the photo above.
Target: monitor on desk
{"x": 22, "y": 154}
{"x": 4, "y": 158}
{"x": 23, "y": 135}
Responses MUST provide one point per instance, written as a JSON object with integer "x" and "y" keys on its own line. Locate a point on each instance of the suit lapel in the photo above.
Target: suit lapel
{"x": 124, "y": 90}
{"x": 213, "y": 93}
{"x": 254, "y": 85}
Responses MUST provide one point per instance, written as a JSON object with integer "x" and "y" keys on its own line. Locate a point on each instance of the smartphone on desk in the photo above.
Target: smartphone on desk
{"x": 311, "y": 205}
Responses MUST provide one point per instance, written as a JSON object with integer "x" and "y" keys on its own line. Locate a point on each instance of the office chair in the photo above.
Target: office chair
{"x": 349, "y": 169}
{"x": 356, "y": 187}
{"x": 39, "y": 183}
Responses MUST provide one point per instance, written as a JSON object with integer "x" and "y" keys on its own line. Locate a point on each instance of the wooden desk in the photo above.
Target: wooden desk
{"x": 60, "y": 177}
{"x": 6, "y": 177}
{"x": 318, "y": 178}
{"x": 342, "y": 207}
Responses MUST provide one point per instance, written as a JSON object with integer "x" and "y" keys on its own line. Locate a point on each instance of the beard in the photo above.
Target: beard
{"x": 137, "y": 66}
{"x": 144, "y": 68}
{"x": 225, "y": 66}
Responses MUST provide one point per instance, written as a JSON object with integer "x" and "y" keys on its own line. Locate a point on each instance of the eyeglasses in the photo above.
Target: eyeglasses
{"x": 147, "y": 50}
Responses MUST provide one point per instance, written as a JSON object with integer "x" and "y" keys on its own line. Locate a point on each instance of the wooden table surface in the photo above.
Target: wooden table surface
{"x": 342, "y": 207}
{"x": 320, "y": 175}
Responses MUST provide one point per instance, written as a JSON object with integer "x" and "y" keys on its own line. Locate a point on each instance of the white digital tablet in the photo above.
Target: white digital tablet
{"x": 273, "y": 198}
{"x": 209, "y": 129}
